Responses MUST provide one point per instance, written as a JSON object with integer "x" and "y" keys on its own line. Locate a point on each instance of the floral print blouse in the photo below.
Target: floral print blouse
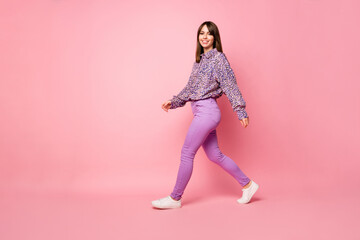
{"x": 212, "y": 77}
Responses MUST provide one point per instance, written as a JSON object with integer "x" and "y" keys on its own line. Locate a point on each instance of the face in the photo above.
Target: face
{"x": 206, "y": 40}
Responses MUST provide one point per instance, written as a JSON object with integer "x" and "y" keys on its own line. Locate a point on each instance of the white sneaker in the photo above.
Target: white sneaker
{"x": 166, "y": 202}
{"x": 248, "y": 193}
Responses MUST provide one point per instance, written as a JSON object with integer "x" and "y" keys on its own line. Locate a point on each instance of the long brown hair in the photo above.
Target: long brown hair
{"x": 213, "y": 29}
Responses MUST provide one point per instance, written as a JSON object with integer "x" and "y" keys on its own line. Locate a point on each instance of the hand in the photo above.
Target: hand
{"x": 245, "y": 122}
{"x": 166, "y": 105}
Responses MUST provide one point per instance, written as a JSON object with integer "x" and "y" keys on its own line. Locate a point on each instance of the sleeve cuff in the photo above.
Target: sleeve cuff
{"x": 242, "y": 114}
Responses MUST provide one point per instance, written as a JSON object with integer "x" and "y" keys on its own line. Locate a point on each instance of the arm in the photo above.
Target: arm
{"x": 228, "y": 84}
{"x": 179, "y": 100}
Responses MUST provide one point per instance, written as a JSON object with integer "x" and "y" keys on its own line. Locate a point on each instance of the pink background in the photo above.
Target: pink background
{"x": 81, "y": 88}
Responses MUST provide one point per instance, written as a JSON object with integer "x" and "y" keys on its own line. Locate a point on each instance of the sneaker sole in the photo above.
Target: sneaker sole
{"x": 166, "y": 207}
{"x": 157, "y": 206}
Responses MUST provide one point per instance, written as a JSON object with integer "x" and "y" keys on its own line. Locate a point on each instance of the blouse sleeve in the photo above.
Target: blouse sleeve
{"x": 177, "y": 100}
{"x": 228, "y": 84}
{"x": 180, "y": 99}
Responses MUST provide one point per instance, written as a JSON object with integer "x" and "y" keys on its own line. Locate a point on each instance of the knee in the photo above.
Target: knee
{"x": 215, "y": 156}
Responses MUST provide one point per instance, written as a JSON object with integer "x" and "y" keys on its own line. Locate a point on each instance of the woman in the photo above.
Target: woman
{"x": 211, "y": 76}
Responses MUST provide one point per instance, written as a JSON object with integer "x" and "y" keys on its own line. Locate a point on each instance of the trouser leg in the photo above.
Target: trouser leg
{"x": 199, "y": 129}
{"x": 211, "y": 148}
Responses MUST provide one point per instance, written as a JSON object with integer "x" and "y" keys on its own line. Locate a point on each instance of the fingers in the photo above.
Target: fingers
{"x": 166, "y": 105}
{"x": 244, "y": 122}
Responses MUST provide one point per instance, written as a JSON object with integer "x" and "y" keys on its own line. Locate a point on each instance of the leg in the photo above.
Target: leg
{"x": 214, "y": 154}
{"x": 197, "y": 133}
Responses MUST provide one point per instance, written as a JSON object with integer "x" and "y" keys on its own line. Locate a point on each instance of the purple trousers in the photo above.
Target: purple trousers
{"x": 202, "y": 132}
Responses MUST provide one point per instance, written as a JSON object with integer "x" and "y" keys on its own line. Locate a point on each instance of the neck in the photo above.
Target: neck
{"x": 207, "y": 49}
